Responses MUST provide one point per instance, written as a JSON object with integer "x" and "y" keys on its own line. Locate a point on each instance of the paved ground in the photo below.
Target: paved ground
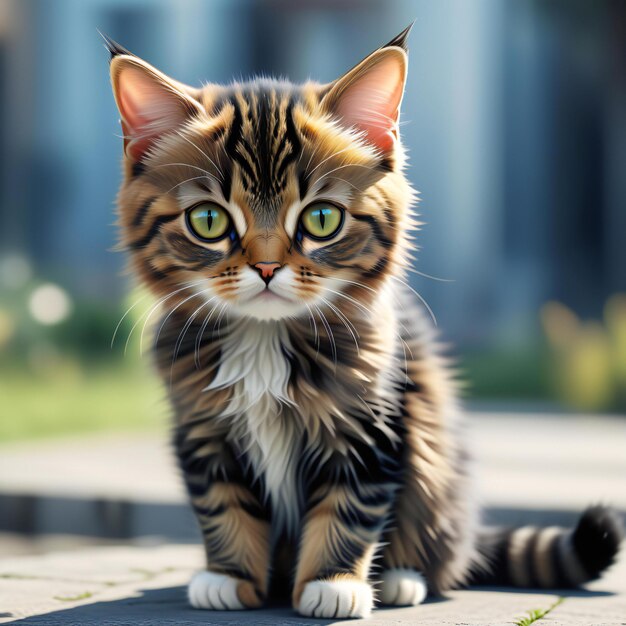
{"x": 141, "y": 586}
{"x": 531, "y": 469}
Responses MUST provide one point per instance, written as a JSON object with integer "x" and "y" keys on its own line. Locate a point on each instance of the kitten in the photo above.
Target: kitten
{"x": 317, "y": 425}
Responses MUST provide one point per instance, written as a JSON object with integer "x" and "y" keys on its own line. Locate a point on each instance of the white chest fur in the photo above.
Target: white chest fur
{"x": 255, "y": 365}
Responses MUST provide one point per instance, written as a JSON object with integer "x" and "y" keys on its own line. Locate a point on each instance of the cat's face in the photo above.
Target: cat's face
{"x": 264, "y": 199}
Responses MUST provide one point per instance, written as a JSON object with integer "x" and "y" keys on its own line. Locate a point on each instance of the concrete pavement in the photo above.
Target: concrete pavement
{"x": 146, "y": 586}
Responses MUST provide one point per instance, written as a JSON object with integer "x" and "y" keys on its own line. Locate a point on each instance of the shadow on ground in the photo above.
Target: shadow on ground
{"x": 168, "y": 606}
{"x": 165, "y": 607}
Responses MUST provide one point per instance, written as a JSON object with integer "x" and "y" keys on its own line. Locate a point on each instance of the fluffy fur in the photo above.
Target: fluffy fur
{"x": 316, "y": 423}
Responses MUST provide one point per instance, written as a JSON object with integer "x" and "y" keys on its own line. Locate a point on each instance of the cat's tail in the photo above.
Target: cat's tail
{"x": 550, "y": 557}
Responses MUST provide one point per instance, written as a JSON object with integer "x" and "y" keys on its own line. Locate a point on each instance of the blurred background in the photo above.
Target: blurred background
{"x": 515, "y": 121}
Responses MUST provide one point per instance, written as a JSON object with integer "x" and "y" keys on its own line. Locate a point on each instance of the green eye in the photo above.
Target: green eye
{"x": 321, "y": 220}
{"x": 208, "y": 221}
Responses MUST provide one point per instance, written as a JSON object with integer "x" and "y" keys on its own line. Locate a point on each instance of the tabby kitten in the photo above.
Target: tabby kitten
{"x": 317, "y": 426}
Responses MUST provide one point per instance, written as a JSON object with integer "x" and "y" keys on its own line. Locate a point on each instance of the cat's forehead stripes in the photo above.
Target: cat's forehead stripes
{"x": 261, "y": 143}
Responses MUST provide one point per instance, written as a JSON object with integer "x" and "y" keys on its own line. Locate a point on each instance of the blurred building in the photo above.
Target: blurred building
{"x": 514, "y": 117}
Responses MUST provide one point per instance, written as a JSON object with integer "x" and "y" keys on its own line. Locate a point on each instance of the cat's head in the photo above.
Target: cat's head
{"x": 266, "y": 198}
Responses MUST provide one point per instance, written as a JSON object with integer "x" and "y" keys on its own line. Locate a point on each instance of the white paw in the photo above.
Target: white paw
{"x": 402, "y": 587}
{"x": 336, "y": 598}
{"x": 208, "y": 590}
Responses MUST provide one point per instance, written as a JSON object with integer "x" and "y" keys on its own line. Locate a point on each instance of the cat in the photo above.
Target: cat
{"x": 317, "y": 424}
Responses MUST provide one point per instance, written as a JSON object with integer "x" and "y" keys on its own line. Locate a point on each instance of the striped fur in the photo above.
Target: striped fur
{"x": 316, "y": 423}
{"x": 551, "y": 557}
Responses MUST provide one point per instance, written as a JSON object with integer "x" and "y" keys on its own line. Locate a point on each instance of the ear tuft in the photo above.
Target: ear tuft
{"x": 400, "y": 40}
{"x": 368, "y": 97}
{"x": 114, "y": 48}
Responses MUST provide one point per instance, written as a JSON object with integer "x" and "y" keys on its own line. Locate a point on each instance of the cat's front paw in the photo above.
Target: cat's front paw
{"x": 219, "y": 592}
{"x": 402, "y": 587}
{"x": 339, "y": 597}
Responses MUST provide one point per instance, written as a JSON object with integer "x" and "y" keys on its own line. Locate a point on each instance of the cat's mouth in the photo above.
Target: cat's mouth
{"x": 267, "y": 295}
{"x": 269, "y": 305}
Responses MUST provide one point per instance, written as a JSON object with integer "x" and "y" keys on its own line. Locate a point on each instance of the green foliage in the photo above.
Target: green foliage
{"x": 86, "y": 334}
{"x": 506, "y": 375}
{"x": 66, "y": 378}
{"x": 71, "y": 399}
{"x": 588, "y": 358}
{"x": 537, "y": 614}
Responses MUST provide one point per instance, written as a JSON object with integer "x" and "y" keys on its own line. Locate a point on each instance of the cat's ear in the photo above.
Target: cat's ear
{"x": 368, "y": 97}
{"x": 150, "y": 103}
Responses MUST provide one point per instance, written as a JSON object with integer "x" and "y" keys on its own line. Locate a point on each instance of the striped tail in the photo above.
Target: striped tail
{"x": 551, "y": 557}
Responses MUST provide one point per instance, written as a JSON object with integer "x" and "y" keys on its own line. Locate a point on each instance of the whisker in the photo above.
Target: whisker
{"x": 421, "y": 299}
{"x": 218, "y": 322}
{"x": 167, "y": 317}
{"x": 159, "y": 303}
{"x": 341, "y": 314}
{"x": 331, "y": 156}
{"x": 202, "y": 152}
{"x": 188, "y": 180}
{"x": 174, "y": 164}
{"x": 187, "y": 286}
{"x": 370, "y": 289}
{"x": 358, "y": 304}
{"x": 206, "y": 173}
{"x": 125, "y": 315}
{"x": 200, "y": 335}
{"x": 313, "y": 153}
{"x": 317, "y": 338}
{"x": 188, "y": 323}
{"x": 354, "y": 282}
{"x": 345, "y": 321}
{"x": 181, "y": 335}
{"x": 329, "y": 332}
{"x": 347, "y": 182}
{"x": 441, "y": 280}
{"x": 367, "y": 406}
{"x": 371, "y": 316}
{"x": 340, "y": 167}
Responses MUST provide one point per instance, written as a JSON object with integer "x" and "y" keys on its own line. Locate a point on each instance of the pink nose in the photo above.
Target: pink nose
{"x": 267, "y": 270}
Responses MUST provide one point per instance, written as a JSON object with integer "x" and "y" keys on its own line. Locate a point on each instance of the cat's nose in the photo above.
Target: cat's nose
{"x": 266, "y": 270}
